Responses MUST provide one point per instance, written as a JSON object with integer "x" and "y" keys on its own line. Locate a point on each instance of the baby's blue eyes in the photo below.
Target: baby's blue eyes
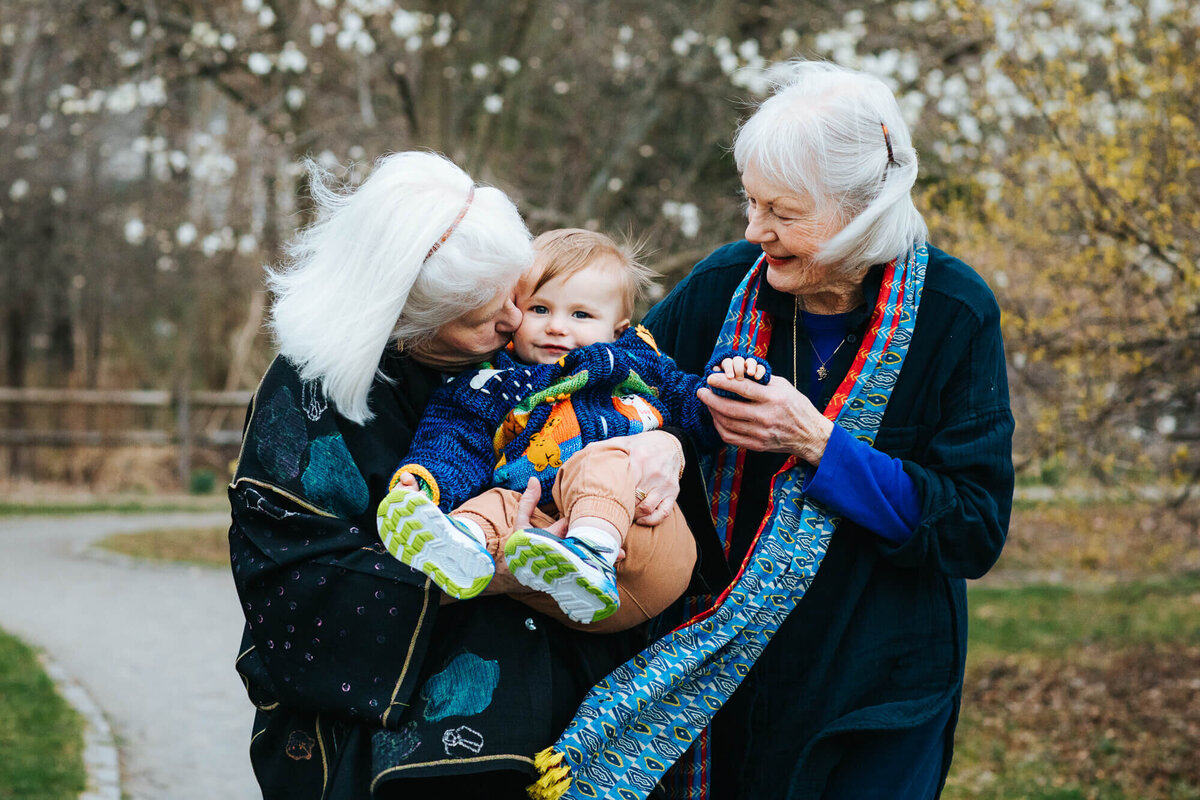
{"x": 544, "y": 310}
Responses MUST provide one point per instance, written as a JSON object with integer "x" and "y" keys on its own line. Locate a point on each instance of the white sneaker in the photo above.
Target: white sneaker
{"x": 450, "y": 551}
{"x": 571, "y": 570}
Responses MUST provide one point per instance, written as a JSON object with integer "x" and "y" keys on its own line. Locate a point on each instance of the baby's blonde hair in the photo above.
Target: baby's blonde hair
{"x": 564, "y": 251}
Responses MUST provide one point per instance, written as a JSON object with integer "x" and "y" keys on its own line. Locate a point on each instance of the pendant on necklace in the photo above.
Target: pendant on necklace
{"x": 822, "y": 373}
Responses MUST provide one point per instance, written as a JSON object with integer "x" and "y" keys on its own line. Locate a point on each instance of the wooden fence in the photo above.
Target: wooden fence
{"x": 47, "y": 417}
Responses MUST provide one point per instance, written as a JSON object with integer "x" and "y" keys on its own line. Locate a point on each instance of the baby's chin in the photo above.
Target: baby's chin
{"x": 535, "y": 357}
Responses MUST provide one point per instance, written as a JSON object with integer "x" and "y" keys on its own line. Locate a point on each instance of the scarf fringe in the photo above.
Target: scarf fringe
{"x": 555, "y": 776}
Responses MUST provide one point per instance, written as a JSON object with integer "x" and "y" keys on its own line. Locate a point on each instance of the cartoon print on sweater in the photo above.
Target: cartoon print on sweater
{"x": 543, "y": 450}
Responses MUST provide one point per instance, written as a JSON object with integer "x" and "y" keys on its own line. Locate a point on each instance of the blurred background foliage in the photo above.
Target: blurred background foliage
{"x": 153, "y": 152}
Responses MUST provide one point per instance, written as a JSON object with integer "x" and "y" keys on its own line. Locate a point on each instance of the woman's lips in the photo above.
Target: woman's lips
{"x": 775, "y": 261}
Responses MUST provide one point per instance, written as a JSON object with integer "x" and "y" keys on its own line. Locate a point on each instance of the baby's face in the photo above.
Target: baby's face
{"x": 568, "y": 312}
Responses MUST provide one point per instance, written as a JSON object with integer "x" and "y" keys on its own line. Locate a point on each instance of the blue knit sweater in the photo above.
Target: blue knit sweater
{"x": 505, "y": 422}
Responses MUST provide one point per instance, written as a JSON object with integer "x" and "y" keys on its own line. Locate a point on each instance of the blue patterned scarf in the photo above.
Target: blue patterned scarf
{"x": 648, "y": 712}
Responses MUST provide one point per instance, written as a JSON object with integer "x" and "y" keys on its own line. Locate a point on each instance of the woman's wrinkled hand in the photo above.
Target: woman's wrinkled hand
{"x": 656, "y": 458}
{"x": 503, "y": 582}
{"x": 775, "y": 418}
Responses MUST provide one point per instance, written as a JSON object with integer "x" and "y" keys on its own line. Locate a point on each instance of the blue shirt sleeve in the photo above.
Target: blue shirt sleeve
{"x": 867, "y": 487}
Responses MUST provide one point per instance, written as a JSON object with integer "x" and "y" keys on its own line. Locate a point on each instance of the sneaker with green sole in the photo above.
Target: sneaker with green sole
{"x": 414, "y": 530}
{"x": 570, "y": 570}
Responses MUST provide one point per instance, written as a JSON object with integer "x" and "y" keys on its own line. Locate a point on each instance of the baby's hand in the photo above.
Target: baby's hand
{"x": 738, "y": 368}
{"x": 409, "y": 481}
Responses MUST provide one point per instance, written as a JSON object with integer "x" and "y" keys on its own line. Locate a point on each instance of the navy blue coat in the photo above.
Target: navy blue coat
{"x": 879, "y": 642}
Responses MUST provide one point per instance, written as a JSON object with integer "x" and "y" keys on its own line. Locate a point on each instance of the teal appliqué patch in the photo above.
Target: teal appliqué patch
{"x": 462, "y": 689}
{"x": 331, "y": 479}
{"x": 394, "y": 747}
{"x": 280, "y": 436}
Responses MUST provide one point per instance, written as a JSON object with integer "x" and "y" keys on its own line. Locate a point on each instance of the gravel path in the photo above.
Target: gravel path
{"x": 153, "y": 645}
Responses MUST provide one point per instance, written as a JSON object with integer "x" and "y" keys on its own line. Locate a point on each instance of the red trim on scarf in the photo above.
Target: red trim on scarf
{"x": 831, "y": 411}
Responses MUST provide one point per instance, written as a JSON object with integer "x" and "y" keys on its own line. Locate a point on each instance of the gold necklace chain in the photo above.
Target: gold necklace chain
{"x": 822, "y": 371}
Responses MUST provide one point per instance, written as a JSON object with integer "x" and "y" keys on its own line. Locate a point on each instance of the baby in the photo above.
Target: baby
{"x": 576, "y": 374}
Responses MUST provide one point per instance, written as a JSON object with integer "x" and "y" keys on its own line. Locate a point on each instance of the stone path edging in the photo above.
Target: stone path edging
{"x": 100, "y": 756}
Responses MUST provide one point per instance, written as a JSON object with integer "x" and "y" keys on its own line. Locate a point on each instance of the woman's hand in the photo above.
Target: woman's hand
{"x": 775, "y": 418}
{"x": 503, "y": 582}
{"x": 656, "y": 458}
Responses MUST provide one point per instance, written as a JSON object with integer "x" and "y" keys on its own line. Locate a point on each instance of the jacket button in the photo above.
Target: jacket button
{"x": 530, "y": 624}
{"x": 852, "y": 338}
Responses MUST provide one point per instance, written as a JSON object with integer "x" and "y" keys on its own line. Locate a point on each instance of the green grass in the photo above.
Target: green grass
{"x": 1045, "y": 620}
{"x": 1085, "y": 691}
{"x": 41, "y": 736}
{"x": 44, "y": 507}
{"x": 203, "y": 546}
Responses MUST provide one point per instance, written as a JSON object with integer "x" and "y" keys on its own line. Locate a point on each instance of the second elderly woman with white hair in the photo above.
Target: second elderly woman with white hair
{"x": 879, "y": 456}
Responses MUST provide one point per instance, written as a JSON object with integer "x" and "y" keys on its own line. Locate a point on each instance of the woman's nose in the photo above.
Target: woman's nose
{"x": 509, "y": 319}
{"x": 757, "y": 231}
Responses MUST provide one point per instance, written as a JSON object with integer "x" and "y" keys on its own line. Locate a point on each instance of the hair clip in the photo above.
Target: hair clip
{"x": 887, "y": 140}
{"x": 453, "y": 225}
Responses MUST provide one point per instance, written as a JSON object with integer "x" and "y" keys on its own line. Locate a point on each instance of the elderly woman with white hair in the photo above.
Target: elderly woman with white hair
{"x": 862, "y": 485}
{"x": 368, "y": 681}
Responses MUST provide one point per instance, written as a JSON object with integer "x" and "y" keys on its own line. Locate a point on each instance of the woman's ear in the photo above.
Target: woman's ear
{"x": 621, "y": 327}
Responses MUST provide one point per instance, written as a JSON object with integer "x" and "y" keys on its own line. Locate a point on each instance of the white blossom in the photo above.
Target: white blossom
{"x": 479, "y": 71}
{"x": 137, "y": 28}
{"x": 152, "y": 92}
{"x": 493, "y": 103}
{"x": 316, "y": 35}
{"x": 58, "y": 195}
{"x": 135, "y": 231}
{"x": 123, "y": 99}
{"x": 1165, "y": 425}
{"x": 227, "y": 41}
{"x": 509, "y": 65}
{"x": 18, "y": 189}
{"x": 294, "y": 97}
{"x": 687, "y": 215}
{"x": 251, "y": 6}
{"x": 211, "y": 245}
{"x": 266, "y": 17}
{"x": 625, "y": 34}
{"x": 292, "y": 59}
{"x": 561, "y": 87}
{"x": 405, "y": 23}
{"x": 247, "y": 244}
{"x": 621, "y": 60}
{"x": 185, "y": 234}
{"x": 615, "y": 185}
{"x": 258, "y": 63}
